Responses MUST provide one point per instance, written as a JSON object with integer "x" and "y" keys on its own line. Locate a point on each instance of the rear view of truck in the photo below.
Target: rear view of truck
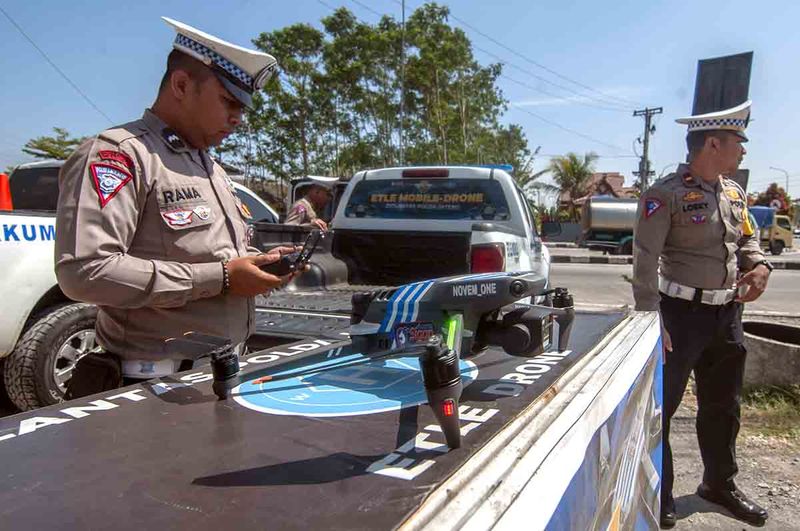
{"x": 398, "y": 225}
{"x": 774, "y": 230}
{"x": 607, "y": 224}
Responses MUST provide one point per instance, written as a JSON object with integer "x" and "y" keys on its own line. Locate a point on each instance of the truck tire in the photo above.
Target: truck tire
{"x": 7, "y": 407}
{"x": 37, "y": 370}
{"x": 776, "y": 247}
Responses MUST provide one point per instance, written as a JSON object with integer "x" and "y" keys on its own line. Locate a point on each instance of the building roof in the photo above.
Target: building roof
{"x": 603, "y": 183}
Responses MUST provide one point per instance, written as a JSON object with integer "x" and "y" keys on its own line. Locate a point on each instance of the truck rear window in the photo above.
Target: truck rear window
{"x": 445, "y": 199}
{"x": 34, "y": 189}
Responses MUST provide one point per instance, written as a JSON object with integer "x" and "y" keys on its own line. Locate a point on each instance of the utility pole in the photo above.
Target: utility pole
{"x": 644, "y": 172}
{"x": 402, "y": 83}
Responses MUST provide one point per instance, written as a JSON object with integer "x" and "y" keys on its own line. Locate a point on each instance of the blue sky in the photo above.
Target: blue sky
{"x": 642, "y": 52}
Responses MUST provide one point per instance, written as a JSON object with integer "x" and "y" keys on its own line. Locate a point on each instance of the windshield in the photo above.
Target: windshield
{"x": 34, "y": 189}
{"x": 445, "y": 199}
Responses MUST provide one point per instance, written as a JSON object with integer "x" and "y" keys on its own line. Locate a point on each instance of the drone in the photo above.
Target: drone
{"x": 440, "y": 320}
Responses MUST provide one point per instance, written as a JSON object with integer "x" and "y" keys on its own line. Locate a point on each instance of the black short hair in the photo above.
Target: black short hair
{"x": 695, "y": 140}
{"x": 177, "y": 60}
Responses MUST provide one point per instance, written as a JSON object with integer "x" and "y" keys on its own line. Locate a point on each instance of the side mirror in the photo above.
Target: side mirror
{"x": 550, "y": 228}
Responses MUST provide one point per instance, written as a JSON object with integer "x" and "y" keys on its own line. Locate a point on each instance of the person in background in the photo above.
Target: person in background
{"x": 306, "y": 210}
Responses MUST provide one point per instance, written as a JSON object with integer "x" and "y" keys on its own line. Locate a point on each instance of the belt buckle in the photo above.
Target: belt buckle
{"x": 718, "y": 297}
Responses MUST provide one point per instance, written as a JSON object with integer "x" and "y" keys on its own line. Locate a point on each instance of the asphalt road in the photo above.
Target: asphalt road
{"x": 602, "y": 285}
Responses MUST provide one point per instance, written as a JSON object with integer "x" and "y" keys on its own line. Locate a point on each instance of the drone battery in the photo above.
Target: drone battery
{"x": 442, "y": 379}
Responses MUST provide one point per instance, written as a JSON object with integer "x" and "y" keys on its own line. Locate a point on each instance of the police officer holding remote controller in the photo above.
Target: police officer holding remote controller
{"x": 149, "y": 227}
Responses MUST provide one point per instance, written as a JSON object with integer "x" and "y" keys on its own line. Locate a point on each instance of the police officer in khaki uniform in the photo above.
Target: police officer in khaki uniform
{"x": 691, "y": 226}
{"x": 304, "y": 210}
{"x": 149, "y": 227}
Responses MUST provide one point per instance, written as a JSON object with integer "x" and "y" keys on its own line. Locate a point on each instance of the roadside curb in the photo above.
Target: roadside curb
{"x": 625, "y": 260}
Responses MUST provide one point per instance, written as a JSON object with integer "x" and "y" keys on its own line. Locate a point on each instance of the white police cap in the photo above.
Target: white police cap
{"x": 240, "y": 70}
{"x": 322, "y": 181}
{"x": 734, "y": 119}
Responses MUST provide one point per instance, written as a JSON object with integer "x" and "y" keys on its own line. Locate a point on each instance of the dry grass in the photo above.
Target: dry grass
{"x": 772, "y": 411}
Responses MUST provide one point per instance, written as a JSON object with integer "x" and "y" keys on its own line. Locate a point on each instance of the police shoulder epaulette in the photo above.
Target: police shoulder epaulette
{"x": 120, "y": 134}
{"x": 662, "y": 182}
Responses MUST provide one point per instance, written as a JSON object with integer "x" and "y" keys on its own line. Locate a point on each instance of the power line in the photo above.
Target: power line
{"x": 567, "y": 129}
{"x": 555, "y": 155}
{"x": 606, "y": 97}
{"x": 561, "y": 98}
{"x": 55, "y": 67}
{"x": 380, "y": 15}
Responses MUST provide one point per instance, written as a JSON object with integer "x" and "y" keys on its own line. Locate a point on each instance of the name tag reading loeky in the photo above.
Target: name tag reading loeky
{"x": 472, "y": 290}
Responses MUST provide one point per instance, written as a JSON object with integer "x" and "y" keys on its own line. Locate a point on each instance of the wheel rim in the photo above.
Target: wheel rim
{"x": 74, "y": 348}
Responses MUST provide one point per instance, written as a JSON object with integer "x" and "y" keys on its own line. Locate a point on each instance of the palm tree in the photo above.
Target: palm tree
{"x": 572, "y": 174}
{"x": 528, "y": 180}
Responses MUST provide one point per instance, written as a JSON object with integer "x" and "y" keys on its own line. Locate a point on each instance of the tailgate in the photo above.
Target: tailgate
{"x": 394, "y": 257}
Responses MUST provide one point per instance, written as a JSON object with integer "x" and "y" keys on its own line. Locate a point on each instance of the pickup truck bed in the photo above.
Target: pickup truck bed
{"x": 167, "y": 454}
{"x": 293, "y": 315}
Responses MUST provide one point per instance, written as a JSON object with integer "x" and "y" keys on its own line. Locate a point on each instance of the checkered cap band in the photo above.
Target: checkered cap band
{"x": 226, "y": 65}
{"x": 718, "y": 122}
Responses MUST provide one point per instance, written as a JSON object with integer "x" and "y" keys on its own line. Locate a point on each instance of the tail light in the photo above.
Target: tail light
{"x": 488, "y": 258}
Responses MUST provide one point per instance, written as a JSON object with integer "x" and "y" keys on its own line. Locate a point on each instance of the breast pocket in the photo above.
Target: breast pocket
{"x": 185, "y": 207}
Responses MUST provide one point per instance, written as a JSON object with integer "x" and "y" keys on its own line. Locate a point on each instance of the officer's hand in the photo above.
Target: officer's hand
{"x": 756, "y": 282}
{"x": 321, "y": 225}
{"x": 247, "y": 280}
{"x": 666, "y": 340}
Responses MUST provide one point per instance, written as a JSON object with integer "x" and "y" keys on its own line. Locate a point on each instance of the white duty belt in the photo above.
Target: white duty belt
{"x": 714, "y": 297}
{"x": 146, "y": 369}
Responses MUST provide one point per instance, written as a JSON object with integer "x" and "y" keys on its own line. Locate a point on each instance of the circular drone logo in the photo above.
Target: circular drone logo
{"x": 358, "y": 389}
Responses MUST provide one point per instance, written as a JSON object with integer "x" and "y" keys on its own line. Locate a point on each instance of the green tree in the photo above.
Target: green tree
{"x": 335, "y": 107}
{"x": 572, "y": 174}
{"x": 59, "y": 147}
{"x": 776, "y": 196}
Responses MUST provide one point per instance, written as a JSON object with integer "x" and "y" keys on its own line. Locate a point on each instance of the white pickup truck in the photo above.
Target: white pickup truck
{"x": 42, "y": 332}
{"x": 396, "y": 225}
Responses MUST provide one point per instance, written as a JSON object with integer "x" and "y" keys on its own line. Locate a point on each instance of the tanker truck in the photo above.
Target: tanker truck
{"x": 607, "y": 224}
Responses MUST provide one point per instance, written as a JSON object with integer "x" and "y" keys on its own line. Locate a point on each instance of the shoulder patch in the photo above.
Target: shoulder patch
{"x": 116, "y": 156}
{"x": 651, "y": 206}
{"x": 108, "y": 180}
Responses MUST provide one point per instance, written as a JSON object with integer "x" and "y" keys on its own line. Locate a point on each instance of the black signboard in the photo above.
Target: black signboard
{"x": 722, "y": 82}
